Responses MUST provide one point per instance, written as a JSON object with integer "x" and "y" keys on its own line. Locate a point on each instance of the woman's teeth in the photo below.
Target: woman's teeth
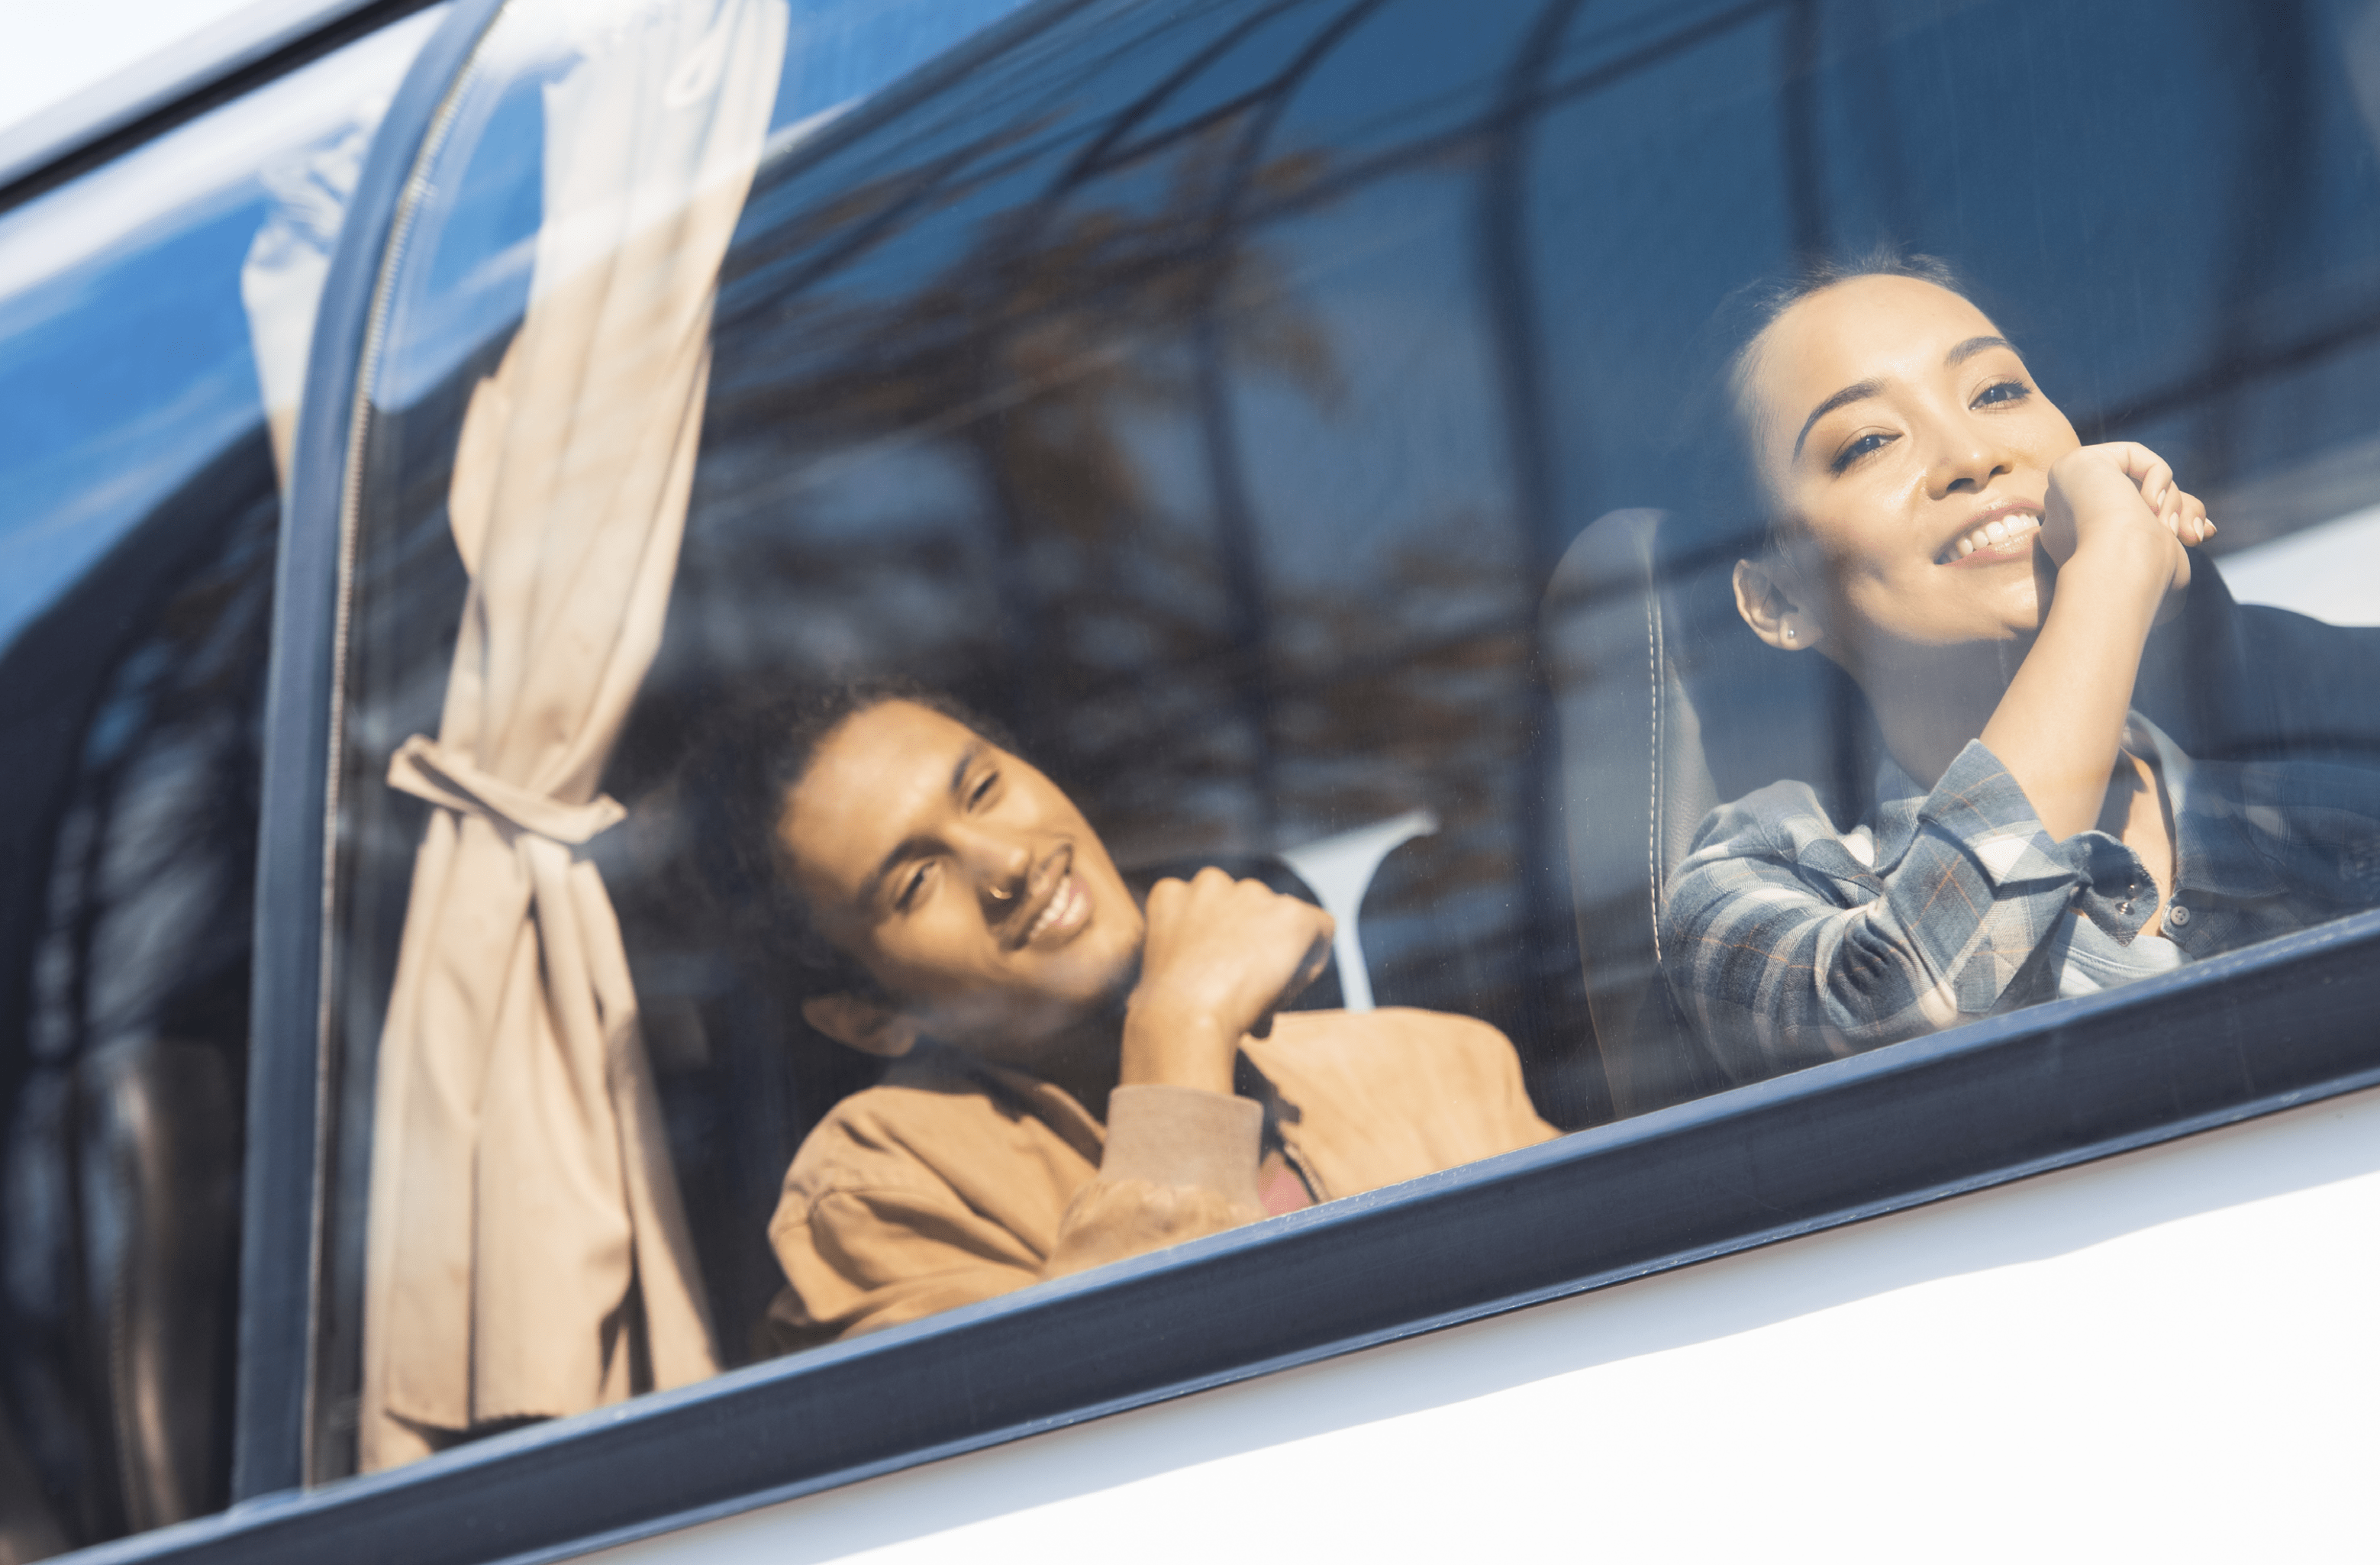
{"x": 1993, "y": 534}
{"x": 1062, "y": 903}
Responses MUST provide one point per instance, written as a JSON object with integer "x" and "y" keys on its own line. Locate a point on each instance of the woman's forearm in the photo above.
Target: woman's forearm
{"x": 2058, "y": 729}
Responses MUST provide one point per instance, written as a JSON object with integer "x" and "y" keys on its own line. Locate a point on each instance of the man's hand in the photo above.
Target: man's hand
{"x": 1221, "y": 956}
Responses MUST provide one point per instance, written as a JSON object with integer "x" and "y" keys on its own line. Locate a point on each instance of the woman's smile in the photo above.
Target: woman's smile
{"x": 2002, "y": 533}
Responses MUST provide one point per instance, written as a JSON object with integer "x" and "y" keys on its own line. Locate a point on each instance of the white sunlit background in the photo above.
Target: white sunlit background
{"x": 57, "y": 50}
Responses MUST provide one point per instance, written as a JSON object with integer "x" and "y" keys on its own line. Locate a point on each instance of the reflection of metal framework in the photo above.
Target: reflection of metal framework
{"x": 1503, "y": 137}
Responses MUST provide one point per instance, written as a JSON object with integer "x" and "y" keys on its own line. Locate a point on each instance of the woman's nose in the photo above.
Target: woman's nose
{"x": 1964, "y": 461}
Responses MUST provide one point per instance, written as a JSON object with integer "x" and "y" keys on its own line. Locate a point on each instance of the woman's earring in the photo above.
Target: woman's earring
{"x": 1788, "y": 633}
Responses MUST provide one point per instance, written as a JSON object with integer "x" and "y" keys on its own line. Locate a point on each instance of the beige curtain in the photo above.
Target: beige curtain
{"x": 528, "y": 1254}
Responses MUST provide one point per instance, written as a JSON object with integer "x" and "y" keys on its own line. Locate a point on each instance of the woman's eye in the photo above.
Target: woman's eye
{"x": 912, "y": 887}
{"x": 2003, "y": 391}
{"x": 982, "y": 790}
{"x": 1861, "y": 447}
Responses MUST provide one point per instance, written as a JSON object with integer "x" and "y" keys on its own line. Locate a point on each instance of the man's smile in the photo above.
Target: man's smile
{"x": 1056, "y": 906}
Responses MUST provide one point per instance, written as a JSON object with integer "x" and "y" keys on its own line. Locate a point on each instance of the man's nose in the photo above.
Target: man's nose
{"x": 1000, "y": 864}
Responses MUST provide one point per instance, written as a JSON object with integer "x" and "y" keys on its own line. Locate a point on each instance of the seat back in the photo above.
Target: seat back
{"x": 1665, "y": 707}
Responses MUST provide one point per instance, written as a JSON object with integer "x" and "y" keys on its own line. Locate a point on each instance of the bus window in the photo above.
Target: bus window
{"x": 1262, "y": 466}
{"x": 139, "y": 515}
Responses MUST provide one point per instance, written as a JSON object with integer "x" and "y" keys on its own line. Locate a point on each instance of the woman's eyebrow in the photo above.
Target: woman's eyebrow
{"x": 1859, "y": 392}
{"x": 1974, "y": 346}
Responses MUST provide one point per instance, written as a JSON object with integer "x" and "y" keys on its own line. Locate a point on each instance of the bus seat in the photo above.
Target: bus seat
{"x": 158, "y": 1147}
{"x": 1666, "y": 706}
{"x": 1636, "y": 781}
{"x": 2228, "y": 681}
{"x": 1442, "y": 930}
{"x": 28, "y": 1527}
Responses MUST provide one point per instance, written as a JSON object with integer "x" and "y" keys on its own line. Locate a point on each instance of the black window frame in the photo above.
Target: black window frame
{"x": 2255, "y": 1032}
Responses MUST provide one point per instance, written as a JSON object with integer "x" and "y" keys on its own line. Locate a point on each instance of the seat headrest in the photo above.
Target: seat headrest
{"x": 1667, "y": 706}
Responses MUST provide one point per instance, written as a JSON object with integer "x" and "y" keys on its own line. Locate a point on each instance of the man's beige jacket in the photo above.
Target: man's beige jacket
{"x": 954, "y": 1181}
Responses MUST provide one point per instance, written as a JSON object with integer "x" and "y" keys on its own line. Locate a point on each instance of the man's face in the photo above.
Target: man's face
{"x": 964, "y": 881}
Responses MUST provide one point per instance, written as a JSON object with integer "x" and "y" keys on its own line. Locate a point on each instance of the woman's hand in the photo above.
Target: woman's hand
{"x": 2116, "y": 527}
{"x": 1221, "y": 956}
{"x": 2117, "y": 509}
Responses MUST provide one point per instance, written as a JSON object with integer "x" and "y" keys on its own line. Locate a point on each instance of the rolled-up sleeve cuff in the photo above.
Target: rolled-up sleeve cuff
{"x": 1182, "y": 1135}
{"x": 1980, "y": 802}
{"x": 1978, "y": 798}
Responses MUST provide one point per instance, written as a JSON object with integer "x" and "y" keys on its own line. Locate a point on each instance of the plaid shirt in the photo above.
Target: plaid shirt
{"x": 1788, "y": 942}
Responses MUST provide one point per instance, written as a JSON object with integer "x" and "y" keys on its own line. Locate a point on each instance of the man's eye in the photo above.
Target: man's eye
{"x": 983, "y": 789}
{"x": 2003, "y": 391}
{"x": 1861, "y": 447}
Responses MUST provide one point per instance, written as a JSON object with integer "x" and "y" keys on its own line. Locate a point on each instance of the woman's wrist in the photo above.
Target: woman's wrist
{"x": 2130, "y": 567}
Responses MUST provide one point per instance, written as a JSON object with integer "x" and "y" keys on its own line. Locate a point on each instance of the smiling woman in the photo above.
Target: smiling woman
{"x": 1940, "y": 533}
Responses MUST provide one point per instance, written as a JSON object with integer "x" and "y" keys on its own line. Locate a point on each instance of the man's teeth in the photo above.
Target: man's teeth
{"x": 1059, "y": 901}
{"x": 1998, "y": 531}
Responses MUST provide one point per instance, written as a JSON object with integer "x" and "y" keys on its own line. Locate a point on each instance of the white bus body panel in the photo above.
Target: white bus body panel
{"x": 2166, "y": 1355}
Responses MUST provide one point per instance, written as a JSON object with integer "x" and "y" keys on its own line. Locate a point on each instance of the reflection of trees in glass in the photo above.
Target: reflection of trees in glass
{"x": 135, "y": 743}
{"x": 1016, "y": 480}
{"x": 1062, "y": 565}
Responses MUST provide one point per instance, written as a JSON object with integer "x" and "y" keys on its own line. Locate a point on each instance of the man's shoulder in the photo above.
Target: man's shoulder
{"x": 936, "y": 1124}
{"x": 1388, "y": 1095}
{"x": 882, "y": 1132}
{"x": 1394, "y": 1038}
{"x": 1403, "y": 1023}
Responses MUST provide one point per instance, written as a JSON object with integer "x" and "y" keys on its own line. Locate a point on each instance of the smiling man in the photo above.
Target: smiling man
{"x": 1076, "y": 1078}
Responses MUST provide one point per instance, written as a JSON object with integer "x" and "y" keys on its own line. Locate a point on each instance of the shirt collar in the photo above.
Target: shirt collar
{"x": 2216, "y": 849}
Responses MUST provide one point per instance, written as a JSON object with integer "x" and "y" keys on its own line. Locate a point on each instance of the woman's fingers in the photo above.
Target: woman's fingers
{"x": 2144, "y": 466}
{"x": 2183, "y": 514}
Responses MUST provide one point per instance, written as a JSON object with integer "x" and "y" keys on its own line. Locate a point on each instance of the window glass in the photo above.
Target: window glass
{"x": 154, "y": 321}
{"x": 1309, "y": 441}
{"x": 456, "y": 292}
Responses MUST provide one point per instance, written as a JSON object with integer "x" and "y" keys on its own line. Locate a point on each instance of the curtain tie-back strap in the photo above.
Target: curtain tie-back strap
{"x": 427, "y": 770}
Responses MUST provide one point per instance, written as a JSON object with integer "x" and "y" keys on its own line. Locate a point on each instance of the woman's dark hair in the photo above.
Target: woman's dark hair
{"x": 1733, "y": 512}
{"x": 731, "y": 794}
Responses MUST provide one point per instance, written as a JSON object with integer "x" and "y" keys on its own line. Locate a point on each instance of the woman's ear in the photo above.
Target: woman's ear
{"x": 865, "y": 1025}
{"x": 1771, "y": 611}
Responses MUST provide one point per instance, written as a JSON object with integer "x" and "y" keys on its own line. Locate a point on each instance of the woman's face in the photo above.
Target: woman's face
{"x": 1909, "y": 451}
